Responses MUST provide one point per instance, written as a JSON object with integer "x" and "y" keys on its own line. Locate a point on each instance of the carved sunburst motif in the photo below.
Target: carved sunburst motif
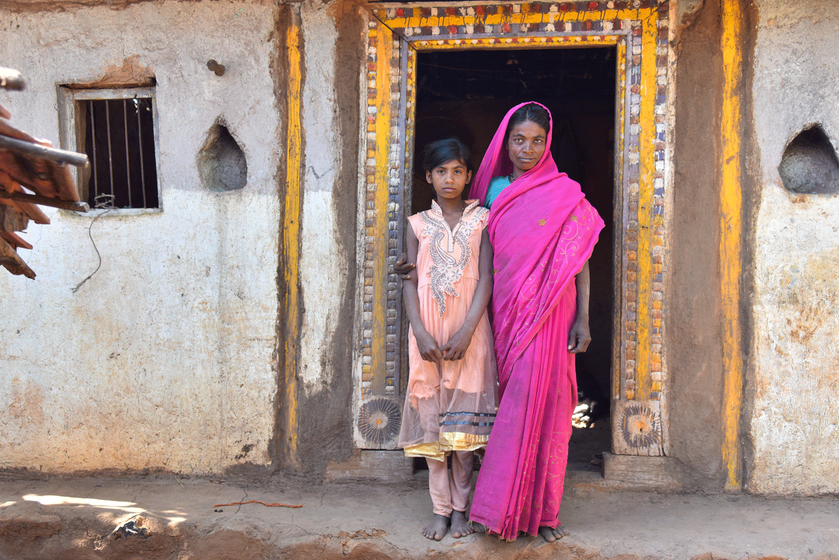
{"x": 640, "y": 426}
{"x": 379, "y": 420}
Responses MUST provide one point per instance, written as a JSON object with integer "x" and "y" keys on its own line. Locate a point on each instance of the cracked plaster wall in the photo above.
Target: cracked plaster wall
{"x": 322, "y": 268}
{"x": 794, "y": 411}
{"x": 163, "y": 359}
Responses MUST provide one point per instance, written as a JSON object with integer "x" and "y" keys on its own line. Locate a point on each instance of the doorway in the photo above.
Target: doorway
{"x": 465, "y": 94}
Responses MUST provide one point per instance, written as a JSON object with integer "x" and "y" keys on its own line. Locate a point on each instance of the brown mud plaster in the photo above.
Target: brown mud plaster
{"x": 694, "y": 336}
{"x": 279, "y": 74}
{"x": 751, "y": 185}
{"x": 130, "y": 73}
{"x": 688, "y": 11}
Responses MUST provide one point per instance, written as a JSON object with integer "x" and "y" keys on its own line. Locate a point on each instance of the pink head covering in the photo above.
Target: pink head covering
{"x": 496, "y": 162}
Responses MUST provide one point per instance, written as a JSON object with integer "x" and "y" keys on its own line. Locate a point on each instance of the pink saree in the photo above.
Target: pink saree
{"x": 542, "y": 231}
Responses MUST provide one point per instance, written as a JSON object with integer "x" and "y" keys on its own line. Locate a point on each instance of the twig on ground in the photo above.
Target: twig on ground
{"x": 259, "y": 502}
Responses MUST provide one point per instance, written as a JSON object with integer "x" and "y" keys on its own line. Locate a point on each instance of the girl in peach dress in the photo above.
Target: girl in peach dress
{"x": 451, "y": 402}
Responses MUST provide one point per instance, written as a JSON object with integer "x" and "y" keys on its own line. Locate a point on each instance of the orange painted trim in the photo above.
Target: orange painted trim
{"x": 518, "y": 42}
{"x": 291, "y": 240}
{"x": 646, "y": 209}
{"x": 384, "y": 60}
{"x": 731, "y": 227}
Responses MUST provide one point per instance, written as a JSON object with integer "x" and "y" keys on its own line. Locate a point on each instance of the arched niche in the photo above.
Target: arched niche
{"x": 222, "y": 165}
{"x": 809, "y": 164}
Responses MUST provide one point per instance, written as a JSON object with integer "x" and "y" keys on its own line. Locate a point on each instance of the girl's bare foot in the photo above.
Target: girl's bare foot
{"x": 460, "y": 526}
{"x": 438, "y": 527}
{"x": 552, "y": 535}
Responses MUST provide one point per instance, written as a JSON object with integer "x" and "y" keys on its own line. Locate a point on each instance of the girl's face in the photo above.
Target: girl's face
{"x": 449, "y": 179}
{"x": 526, "y": 145}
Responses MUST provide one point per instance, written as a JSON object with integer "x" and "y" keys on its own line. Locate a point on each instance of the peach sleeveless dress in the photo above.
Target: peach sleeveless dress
{"x": 450, "y": 405}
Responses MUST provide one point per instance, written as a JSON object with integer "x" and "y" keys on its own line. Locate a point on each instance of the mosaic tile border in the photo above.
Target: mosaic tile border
{"x": 644, "y": 26}
{"x": 657, "y": 222}
{"x": 372, "y": 209}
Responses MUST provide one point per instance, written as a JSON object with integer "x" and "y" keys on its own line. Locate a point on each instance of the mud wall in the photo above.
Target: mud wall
{"x": 162, "y": 360}
{"x": 332, "y": 43}
{"x": 793, "y": 430}
{"x": 789, "y": 257}
{"x": 166, "y": 358}
{"x": 694, "y": 333}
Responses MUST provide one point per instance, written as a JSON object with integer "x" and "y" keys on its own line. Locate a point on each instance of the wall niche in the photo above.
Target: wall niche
{"x": 809, "y": 164}
{"x": 222, "y": 165}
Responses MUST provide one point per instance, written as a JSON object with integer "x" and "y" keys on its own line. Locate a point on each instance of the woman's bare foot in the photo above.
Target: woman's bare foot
{"x": 552, "y": 535}
{"x": 437, "y": 529}
{"x": 460, "y": 526}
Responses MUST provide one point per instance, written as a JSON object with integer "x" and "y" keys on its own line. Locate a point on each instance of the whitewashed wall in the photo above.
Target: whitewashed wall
{"x": 323, "y": 269}
{"x": 795, "y": 411}
{"x": 163, "y": 359}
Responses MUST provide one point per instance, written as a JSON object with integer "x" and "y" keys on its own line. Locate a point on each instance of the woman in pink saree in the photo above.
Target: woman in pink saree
{"x": 542, "y": 230}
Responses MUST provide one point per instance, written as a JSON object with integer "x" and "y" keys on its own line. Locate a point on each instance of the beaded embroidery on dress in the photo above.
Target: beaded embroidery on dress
{"x": 447, "y": 269}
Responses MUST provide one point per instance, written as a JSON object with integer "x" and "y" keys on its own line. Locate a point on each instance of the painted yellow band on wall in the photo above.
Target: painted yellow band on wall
{"x": 384, "y": 56}
{"x": 291, "y": 239}
{"x": 646, "y": 208}
{"x": 730, "y": 244}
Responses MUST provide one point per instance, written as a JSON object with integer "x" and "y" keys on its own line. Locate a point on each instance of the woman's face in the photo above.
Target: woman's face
{"x": 525, "y": 146}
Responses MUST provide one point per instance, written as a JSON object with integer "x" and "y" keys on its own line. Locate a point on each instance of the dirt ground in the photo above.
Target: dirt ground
{"x": 168, "y": 518}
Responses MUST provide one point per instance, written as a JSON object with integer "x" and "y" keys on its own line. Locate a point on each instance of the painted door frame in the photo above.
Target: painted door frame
{"x": 639, "y": 30}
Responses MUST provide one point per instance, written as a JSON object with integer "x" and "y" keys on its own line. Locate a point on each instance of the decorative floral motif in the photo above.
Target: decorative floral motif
{"x": 640, "y": 426}
{"x": 379, "y": 420}
{"x": 446, "y": 269}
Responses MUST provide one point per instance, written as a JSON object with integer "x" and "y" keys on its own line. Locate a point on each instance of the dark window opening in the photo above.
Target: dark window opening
{"x": 118, "y": 137}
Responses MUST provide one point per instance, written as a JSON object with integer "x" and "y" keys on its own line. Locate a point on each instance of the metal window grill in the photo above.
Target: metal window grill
{"x": 118, "y": 137}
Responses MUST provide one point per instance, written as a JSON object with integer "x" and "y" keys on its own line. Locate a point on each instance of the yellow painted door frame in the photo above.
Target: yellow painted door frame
{"x": 639, "y": 32}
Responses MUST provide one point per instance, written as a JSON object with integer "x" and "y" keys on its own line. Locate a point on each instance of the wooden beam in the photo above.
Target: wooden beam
{"x": 46, "y": 201}
{"x": 12, "y": 261}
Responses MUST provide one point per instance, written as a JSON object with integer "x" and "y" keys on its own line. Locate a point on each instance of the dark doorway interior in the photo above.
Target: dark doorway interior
{"x": 466, "y": 94}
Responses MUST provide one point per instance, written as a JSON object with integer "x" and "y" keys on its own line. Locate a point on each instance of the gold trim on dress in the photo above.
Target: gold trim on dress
{"x": 449, "y": 441}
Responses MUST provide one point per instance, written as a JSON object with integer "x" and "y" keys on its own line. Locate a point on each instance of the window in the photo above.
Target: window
{"x": 116, "y": 128}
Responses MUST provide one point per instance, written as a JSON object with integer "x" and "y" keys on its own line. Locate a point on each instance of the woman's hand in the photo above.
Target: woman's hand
{"x": 402, "y": 268}
{"x": 428, "y": 348}
{"x": 457, "y": 345}
{"x": 580, "y": 336}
